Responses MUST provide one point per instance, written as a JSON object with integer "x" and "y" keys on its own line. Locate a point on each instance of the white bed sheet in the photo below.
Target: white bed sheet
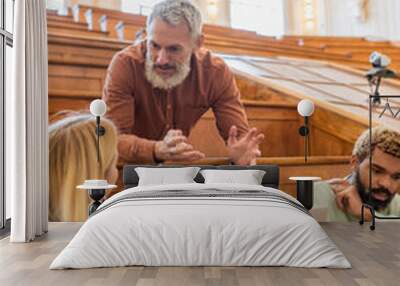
{"x": 200, "y": 231}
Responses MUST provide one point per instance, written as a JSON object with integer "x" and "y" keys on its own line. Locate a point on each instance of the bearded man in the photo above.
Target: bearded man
{"x": 157, "y": 89}
{"x": 341, "y": 199}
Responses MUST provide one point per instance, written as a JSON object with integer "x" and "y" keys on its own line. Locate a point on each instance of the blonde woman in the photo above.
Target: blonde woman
{"x": 73, "y": 159}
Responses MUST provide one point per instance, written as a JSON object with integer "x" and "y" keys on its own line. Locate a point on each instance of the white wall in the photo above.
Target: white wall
{"x": 221, "y": 16}
{"x": 335, "y": 17}
{"x": 264, "y": 17}
{"x": 383, "y": 20}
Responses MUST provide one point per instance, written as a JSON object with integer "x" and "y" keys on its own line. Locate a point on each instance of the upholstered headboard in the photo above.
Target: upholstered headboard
{"x": 270, "y": 179}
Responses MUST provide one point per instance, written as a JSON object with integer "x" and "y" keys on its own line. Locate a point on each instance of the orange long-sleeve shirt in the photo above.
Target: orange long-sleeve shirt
{"x": 144, "y": 114}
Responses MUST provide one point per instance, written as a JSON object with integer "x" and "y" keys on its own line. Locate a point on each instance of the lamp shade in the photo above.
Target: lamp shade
{"x": 379, "y": 60}
{"x": 98, "y": 107}
{"x": 305, "y": 107}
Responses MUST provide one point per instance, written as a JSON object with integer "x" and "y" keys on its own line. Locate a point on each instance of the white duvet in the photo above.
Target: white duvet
{"x": 192, "y": 231}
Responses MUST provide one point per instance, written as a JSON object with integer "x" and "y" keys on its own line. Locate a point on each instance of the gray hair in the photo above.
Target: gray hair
{"x": 175, "y": 12}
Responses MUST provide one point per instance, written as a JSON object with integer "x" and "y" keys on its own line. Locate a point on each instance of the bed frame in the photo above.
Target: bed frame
{"x": 270, "y": 179}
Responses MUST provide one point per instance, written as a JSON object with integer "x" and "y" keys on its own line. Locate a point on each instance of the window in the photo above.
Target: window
{"x": 54, "y": 4}
{"x": 9, "y": 13}
{"x": 6, "y": 43}
{"x": 142, "y": 7}
{"x": 266, "y": 17}
{"x": 309, "y": 17}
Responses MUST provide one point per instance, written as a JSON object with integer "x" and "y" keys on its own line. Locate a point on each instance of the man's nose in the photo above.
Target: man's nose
{"x": 162, "y": 57}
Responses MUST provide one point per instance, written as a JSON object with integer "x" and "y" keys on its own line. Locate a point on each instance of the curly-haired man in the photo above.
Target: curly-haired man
{"x": 341, "y": 199}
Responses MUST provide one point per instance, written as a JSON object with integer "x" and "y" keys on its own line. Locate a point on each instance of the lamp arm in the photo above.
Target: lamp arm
{"x": 306, "y": 138}
{"x": 98, "y": 138}
{"x": 377, "y": 99}
{"x": 305, "y": 131}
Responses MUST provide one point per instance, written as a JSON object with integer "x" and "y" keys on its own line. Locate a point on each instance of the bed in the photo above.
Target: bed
{"x": 201, "y": 224}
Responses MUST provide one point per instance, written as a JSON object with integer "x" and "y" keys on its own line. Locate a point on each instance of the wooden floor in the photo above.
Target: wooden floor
{"x": 374, "y": 255}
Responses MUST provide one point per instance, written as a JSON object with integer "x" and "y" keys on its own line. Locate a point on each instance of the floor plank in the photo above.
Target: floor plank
{"x": 374, "y": 255}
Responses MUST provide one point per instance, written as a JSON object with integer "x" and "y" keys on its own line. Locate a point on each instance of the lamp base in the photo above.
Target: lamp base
{"x": 96, "y": 195}
{"x": 305, "y": 192}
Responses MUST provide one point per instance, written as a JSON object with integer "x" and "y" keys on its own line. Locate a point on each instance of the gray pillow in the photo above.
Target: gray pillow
{"x": 248, "y": 177}
{"x": 163, "y": 176}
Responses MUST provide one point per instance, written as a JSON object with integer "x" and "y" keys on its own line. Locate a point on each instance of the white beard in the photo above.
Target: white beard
{"x": 157, "y": 81}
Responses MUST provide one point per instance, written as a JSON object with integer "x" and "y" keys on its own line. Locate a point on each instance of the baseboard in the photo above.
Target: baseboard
{"x": 5, "y": 231}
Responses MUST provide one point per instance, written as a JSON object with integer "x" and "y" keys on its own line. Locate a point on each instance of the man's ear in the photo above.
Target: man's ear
{"x": 354, "y": 162}
{"x": 199, "y": 42}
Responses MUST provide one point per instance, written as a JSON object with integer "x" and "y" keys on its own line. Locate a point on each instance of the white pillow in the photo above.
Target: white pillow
{"x": 163, "y": 176}
{"x": 248, "y": 177}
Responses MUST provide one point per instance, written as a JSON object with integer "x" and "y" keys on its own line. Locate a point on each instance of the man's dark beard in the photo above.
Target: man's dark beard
{"x": 366, "y": 197}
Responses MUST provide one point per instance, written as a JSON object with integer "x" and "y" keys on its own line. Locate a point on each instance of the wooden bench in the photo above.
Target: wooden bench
{"x": 223, "y": 39}
{"x": 76, "y": 29}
